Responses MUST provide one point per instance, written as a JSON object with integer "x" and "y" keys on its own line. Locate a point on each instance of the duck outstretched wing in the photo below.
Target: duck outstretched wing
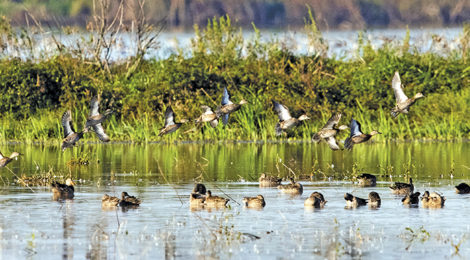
{"x": 397, "y": 88}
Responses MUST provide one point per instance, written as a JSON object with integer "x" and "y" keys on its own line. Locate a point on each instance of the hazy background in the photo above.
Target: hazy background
{"x": 282, "y": 14}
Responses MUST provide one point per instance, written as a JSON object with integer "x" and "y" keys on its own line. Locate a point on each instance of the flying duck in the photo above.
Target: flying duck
{"x": 4, "y": 160}
{"x": 170, "y": 125}
{"x": 329, "y": 131}
{"x": 356, "y": 136}
{"x": 228, "y": 107}
{"x": 208, "y": 116}
{"x": 286, "y": 121}
{"x": 70, "y": 136}
{"x": 95, "y": 119}
{"x": 403, "y": 102}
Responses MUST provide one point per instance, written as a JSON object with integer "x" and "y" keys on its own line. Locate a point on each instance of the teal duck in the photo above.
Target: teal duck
{"x": 356, "y": 136}
{"x": 367, "y": 180}
{"x": 353, "y": 201}
{"x": 254, "y": 202}
{"x": 70, "y": 136}
{"x": 4, "y": 160}
{"x": 63, "y": 191}
{"x": 170, "y": 125}
{"x": 316, "y": 200}
{"x": 462, "y": 188}
{"x": 109, "y": 201}
{"x": 401, "y": 188}
{"x": 403, "y": 102}
{"x": 411, "y": 199}
{"x": 215, "y": 201}
{"x": 208, "y": 116}
{"x": 269, "y": 181}
{"x": 329, "y": 131}
{"x": 95, "y": 119}
{"x": 197, "y": 197}
{"x": 374, "y": 200}
{"x": 293, "y": 188}
{"x": 286, "y": 121}
{"x": 228, "y": 107}
{"x": 432, "y": 200}
{"x": 128, "y": 200}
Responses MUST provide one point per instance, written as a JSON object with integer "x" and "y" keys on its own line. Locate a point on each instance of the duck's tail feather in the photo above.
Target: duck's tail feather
{"x": 394, "y": 113}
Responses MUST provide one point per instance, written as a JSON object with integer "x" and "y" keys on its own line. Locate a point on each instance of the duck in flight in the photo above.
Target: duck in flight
{"x": 4, "y": 160}
{"x": 286, "y": 121}
{"x": 329, "y": 131}
{"x": 208, "y": 116}
{"x": 170, "y": 125}
{"x": 403, "y": 102}
{"x": 70, "y": 136}
{"x": 356, "y": 136}
{"x": 95, "y": 119}
{"x": 228, "y": 107}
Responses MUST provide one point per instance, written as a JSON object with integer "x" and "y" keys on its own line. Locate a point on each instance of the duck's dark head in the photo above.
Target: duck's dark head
{"x": 200, "y": 188}
{"x": 348, "y": 196}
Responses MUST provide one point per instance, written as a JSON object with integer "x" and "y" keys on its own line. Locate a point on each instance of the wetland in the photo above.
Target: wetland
{"x": 33, "y": 226}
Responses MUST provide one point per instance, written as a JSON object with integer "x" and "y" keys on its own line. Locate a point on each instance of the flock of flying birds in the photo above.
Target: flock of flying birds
{"x": 286, "y": 121}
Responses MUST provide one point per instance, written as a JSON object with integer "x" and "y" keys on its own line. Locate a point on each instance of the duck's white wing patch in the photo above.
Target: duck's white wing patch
{"x": 169, "y": 117}
{"x": 332, "y": 143}
{"x": 282, "y": 111}
{"x": 99, "y": 130}
{"x": 396, "y": 85}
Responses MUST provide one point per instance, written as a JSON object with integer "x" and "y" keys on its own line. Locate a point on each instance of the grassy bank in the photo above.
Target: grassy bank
{"x": 35, "y": 92}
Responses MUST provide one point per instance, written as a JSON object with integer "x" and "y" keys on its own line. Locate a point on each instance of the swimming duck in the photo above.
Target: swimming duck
{"x": 403, "y": 102}
{"x": 4, "y": 160}
{"x": 401, "y": 188}
{"x": 109, "y": 201}
{"x": 374, "y": 200}
{"x": 367, "y": 180}
{"x": 198, "y": 197}
{"x": 215, "y": 201}
{"x": 170, "y": 125}
{"x": 411, "y": 199}
{"x": 286, "y": 121}
{"x": 316, "y": 200}
{"x": 462, "y": 188}
{"x": 228, "y": 107}
{"x": 70, "y": 136}
{"x": 208, "y": 116}
{"x": 356, "y": 136}
{"x": 63, "y": 191}
{"x": 293, "y": 188}
{"x": 433, "y": 200}
{"x": 353, "y": 201}
{"x": 329, "y": 131}
{"x": 254, "y": 202}
{"x": 269, "y": 181}
{"x": 95, "y": 119}
{"x": 128, "y": 200}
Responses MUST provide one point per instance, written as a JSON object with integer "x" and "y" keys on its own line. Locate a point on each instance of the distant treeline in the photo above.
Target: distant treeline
{"x": 183, "y": 14}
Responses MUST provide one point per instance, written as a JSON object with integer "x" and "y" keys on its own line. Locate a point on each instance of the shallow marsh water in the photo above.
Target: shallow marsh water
{"x": 33, "y": 226}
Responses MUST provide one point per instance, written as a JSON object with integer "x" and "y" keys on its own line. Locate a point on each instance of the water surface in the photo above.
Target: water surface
{"x": 33, "y": 226}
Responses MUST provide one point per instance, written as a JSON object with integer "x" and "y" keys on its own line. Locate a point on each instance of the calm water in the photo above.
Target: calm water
{"x": 33, "y": 226}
